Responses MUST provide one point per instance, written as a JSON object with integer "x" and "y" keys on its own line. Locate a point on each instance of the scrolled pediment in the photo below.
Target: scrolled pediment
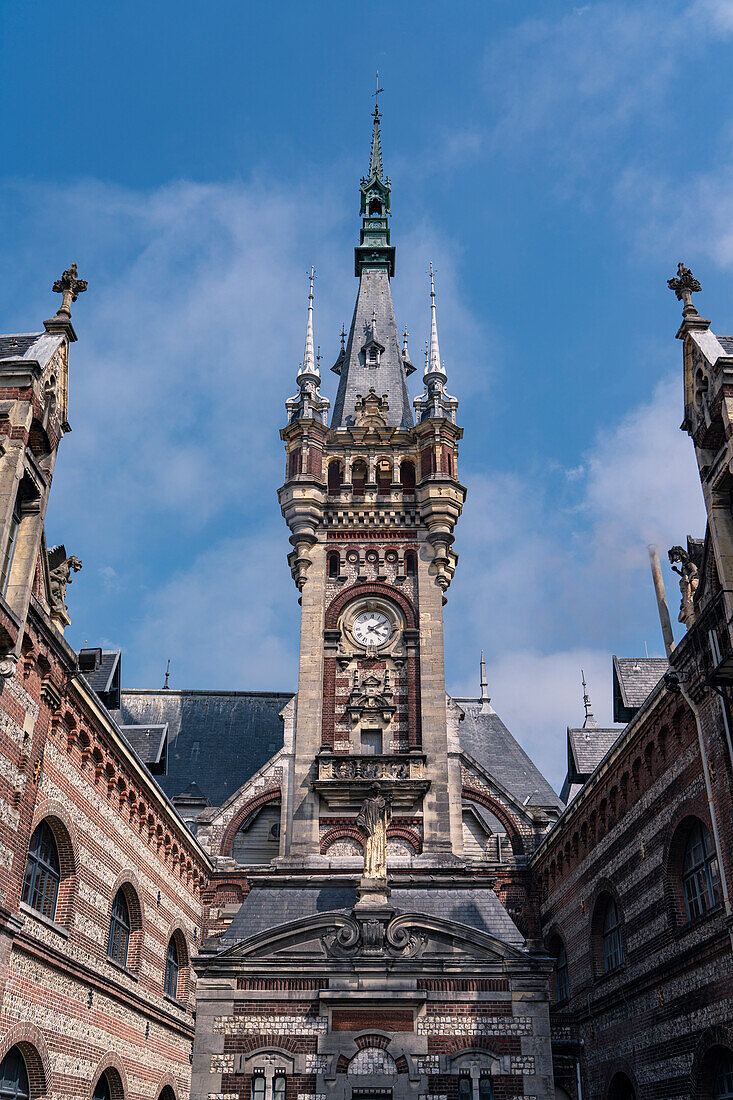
{"x": 373, "y": 933}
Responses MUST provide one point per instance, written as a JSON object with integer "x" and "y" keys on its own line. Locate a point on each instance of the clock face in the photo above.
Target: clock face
{"x": 372, "y": 628}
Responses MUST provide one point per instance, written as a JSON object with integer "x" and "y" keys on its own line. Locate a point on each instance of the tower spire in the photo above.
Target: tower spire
{"x": 309, "y": 365}
{"x": 435, "y": 401}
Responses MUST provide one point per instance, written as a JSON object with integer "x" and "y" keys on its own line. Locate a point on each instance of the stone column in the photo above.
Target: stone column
{"x": 304, "y": 842}
{"x": 437, "y": 807}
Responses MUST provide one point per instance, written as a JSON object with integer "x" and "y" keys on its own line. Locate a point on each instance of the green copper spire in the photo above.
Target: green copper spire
{"x": 375, "y": 164}
{"x": 373, "y": 357}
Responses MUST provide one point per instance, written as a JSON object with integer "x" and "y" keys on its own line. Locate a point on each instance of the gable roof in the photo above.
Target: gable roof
{"x": 485, "y": 737}
{"x": 147, "y": 741}
{"x": 217, "y": 739}
{"x": 634, "y": 678}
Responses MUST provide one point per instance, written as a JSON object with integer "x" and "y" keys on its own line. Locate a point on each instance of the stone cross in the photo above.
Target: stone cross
{"x": 70, "y": 287}
{"x": 684, "y": 284}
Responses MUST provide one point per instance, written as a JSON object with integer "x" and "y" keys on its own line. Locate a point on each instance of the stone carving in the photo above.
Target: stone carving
{"x": 369, "y": 767}
{"x": 374, "y": 817}
{"x": 370, "y": 410}
{"x": 70, "y": 287}
{"x": 61, "y": 567}
{"x": 688, "y": 571}
{"x": 378, "y": 933}
{"x": 684, "y": 284}
{"x": 373, "y": 697}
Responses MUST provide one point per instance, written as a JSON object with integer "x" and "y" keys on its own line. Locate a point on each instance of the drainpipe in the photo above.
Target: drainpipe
{"x": 675, "y": 684}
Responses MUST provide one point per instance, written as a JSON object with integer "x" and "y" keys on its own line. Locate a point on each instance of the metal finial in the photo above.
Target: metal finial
{"x": 343, "y": 337}
{"x": 167, "y": 674}
{"x": 484, "y": 682}
{"x": 375, "y": 97}
{"x": 589, "y": 718}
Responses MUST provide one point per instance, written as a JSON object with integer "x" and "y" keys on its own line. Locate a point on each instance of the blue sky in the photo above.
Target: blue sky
{"x": 554, "y": 160}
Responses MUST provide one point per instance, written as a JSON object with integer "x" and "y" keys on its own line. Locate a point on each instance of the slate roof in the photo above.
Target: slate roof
{"x": 726, "y": 343}
{"x": 484, "y": 736}
{"x": 269, "y": 906}
{"x": 636, "y": 678}
{"x": 15, "y": 347}
{"x": 389, "y": 377}
{"x": 100, "y": 680}
{"x": 147, "y": 741}
{"x": 217, "y": 739}
{"x": 590, "y": 745}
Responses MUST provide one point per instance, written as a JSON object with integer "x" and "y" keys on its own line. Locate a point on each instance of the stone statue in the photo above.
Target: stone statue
{"x": 374, "y": 817}
{"x": 60, "y": 569}
{"x": 689, "y": 575}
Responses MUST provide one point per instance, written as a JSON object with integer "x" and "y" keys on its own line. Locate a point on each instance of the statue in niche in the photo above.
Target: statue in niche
{"x": 374, "y": 817}
{"x": 688, "y": 570}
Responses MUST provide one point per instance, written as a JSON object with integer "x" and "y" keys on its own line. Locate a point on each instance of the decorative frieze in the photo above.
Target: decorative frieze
{"x": 275, "y": 1025}
{"x": 474, "y": 1025}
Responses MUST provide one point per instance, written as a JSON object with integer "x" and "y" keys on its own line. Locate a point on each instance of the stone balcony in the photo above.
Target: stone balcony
{"x": 343, "y": 781}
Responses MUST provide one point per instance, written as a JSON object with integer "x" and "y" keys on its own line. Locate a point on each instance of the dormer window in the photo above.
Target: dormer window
{"x": 373, "y": 356}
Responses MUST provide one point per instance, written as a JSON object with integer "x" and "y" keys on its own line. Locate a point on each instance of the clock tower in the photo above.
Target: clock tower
{"x": 376, "y": 956}
{"x": 371, "y": 498}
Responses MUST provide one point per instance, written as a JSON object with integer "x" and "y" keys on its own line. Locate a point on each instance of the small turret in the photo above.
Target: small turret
{"x": 308, "y": 403}
{"x": 435, "y": 402}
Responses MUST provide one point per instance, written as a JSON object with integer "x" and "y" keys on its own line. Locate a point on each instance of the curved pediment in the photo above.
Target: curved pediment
{"x": 374, "y": 933}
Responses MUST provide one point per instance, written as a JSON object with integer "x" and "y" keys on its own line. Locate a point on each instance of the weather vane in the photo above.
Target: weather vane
{"x": 376, "y": 94}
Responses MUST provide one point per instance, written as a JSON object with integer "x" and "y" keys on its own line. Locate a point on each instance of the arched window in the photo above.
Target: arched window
{"x": 700, "y": 874}
{"x": 335, "y": 477}
{"x": 562, "y": 977}
{"x": 621, "y": 1088}
{"x": 384, "y": 478}
{"x": 259, "y": 1085}
{"x": 14, "y": 1076}
{"x": 410, "y": 563}
{"x": 278, "y": 1087}
{"x": 723, "y": 1080}
{"x": 485, "y": 1088}
{"x": 611, "y": 937}
{"x": 258, "y": 840}
{"x": 407, "y": 476}
{"x": 333, "y": 563}
{"x": 358, "y": 478}
{"x": 119, "y": 929}
{"x": 42, "y": 872}
{"x": 171, "y": 969}
{"x": 102, "y": 1089}
{"x": 465, "y": 1087}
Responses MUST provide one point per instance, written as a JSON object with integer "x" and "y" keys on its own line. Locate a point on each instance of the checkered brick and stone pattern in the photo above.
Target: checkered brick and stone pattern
{"x": 63, "y": 760}
{"x": 619, "y": 838}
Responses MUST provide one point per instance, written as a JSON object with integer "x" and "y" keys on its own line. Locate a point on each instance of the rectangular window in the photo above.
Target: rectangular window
{"x": 258, "y": 1086}
{"x": 278, "y": 1087}
{"x": 10, "y": 548}
{"x": 371, "y": 742}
